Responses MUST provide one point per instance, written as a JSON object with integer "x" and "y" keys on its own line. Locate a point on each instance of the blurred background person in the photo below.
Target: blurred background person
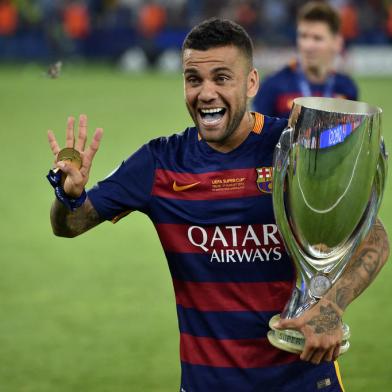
{"x": 319, "y": 42}
{"x": 152, "y": 19}
{"x": 76, "y": 24}
{"x": 8, "y": 18}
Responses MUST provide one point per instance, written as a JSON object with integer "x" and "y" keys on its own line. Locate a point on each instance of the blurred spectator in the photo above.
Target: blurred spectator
{"x": 194, "y": 11}
{"x": 176, "y": 11}
{"x": 8, "y": 18}
{"x": 108, "y": 28}
{"x": 371, "y": 21}
{"x": 350, "y": 27}
{"x": 277, "y": 27}
{"x": 214, "y": 8}
{"x": 76, "y": 20}
{"x": 246, "y": 15}
{"x": 389, "y": 21}
{"x": 30, "y": 14}
{"x": 152, "y": 19}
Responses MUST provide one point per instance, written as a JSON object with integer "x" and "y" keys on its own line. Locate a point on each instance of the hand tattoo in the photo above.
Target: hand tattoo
{"x": 327, "y": 321}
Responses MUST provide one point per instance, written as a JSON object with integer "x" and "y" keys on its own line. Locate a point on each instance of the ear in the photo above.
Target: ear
{"x": 339, "y": 43}
{"x": 252, "y": 83}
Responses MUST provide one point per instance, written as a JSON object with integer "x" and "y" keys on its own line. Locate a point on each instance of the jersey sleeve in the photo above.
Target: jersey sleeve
{"x": 347, "y": 87}
{"x": 353, "y": 91}
{"x": 265, "y": 100}
{"x": 274, "y": 128}
{"x": 127, "y": 188}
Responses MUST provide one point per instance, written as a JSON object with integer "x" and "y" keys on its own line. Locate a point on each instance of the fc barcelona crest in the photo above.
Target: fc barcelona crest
{"x": 264, "y": 179}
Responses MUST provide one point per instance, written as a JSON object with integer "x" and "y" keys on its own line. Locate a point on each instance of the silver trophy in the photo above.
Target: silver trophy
{"x": 330, "y": 167}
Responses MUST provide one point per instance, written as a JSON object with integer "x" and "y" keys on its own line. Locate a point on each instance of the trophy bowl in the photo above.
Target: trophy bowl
{"x": 330, "y": 167}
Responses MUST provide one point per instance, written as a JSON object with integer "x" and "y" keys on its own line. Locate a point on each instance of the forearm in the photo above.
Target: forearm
{"x": 66, "y": 223}
{"x": 362, "y": 269}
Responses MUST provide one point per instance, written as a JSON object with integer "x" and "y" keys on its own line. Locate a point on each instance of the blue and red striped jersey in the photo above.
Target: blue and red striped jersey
{"x": 231, "y": 274}
{"x": 278, "y": 90}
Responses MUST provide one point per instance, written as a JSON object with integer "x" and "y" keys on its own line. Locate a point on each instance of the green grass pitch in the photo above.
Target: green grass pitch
{"x": 97, "y": 313}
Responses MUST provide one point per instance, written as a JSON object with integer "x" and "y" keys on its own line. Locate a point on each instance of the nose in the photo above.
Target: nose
{"x": 308, "y": 44}
{"x": 208, "y": 91}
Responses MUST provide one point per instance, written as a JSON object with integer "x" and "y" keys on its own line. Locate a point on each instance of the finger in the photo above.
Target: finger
{"x": 53, "y": 143}
{"x": 71, "y": 171}
{"x": 317, "y": 356}
{"x": 309, "y": 348}
{"x": 287, "y": 324}
{"x": 336, "y": 352}
{"x": 69, "y": 135}
{"x": 73, "y": 183}
{"x": 329, "y": 354}
{"x": 307, "y": 353}
{"x": 89, "y": 154}
{"x": 82, "y": 136}
{"x": 66, "y": 168}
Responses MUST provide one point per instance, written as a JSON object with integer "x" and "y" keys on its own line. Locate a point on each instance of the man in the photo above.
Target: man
{"x": 229, "y": 267}
{"x": 312, "y": 74}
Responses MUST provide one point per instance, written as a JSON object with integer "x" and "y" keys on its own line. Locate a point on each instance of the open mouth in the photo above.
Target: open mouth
{"x": 212, "y": 116}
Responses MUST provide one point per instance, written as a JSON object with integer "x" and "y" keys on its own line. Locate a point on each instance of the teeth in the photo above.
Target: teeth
{"x": 209, "y": 111}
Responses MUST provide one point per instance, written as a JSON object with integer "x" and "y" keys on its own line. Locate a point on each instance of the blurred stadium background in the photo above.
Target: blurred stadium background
{"x": 97, "y": 313}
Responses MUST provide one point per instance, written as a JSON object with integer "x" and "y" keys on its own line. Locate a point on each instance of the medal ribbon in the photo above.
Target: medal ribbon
{"x": 304, "y": 84}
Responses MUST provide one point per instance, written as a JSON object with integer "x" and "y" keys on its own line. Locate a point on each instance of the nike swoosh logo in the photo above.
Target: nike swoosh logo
{"x": 180, "y": 188}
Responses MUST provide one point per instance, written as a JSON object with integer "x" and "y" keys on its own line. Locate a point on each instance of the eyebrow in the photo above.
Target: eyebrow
{"x": 194, "y": 71}
{"x": 221, "y": 69}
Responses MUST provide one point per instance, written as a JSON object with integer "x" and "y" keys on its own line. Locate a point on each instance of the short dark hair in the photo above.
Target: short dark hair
{"x": 216, "y": 32}
{"x": 320, "y": 11}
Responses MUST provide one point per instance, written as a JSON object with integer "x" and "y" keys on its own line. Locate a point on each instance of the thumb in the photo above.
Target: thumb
{"x": 66, "y": 168}
{"x": 285, "y": 324}
{"x": 72, "y": 180}
{"x": 70, "y": 171}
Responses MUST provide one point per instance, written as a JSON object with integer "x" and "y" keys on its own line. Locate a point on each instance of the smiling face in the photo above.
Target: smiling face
{"x": 218, "y": 83}
{"x": 317, "y": 45}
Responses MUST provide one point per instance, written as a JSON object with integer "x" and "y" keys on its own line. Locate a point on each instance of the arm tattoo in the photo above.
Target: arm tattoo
{"x": 327, "y": 321}
{"x": 66, "y": 223}
{"x": 363, "y": 267}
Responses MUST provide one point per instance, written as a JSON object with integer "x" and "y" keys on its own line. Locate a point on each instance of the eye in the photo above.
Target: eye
{"x": 193, "y": 80}
{"x": 221, "y": 79}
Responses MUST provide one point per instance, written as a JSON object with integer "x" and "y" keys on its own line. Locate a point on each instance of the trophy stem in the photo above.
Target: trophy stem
{"x": 294, "y": 341}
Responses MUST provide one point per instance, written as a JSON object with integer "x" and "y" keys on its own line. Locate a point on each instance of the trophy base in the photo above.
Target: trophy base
{"x": 294, "y": 342}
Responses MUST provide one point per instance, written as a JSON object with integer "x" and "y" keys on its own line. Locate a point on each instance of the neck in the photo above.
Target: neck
{"x": 237, "y": 137}
{"x": 317, "y": 74}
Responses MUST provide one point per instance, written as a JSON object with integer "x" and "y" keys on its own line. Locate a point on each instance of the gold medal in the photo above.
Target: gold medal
{"x": 71, "y": 155}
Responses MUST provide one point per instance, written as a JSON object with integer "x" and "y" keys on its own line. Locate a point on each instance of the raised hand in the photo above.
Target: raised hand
{"x": 76, "y": 178}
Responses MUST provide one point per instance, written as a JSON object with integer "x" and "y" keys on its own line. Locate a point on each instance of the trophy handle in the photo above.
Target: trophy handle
{"x": 382, "y": 172}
